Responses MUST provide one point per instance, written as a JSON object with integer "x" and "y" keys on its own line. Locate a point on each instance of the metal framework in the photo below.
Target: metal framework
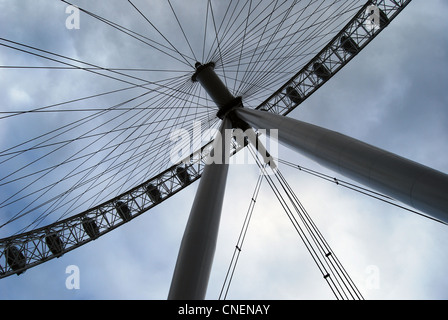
{"x": 40, "y": 245}
{"x": 354, "y": 37}
{"x": 23, "y": 251}
{"x": 26, "y": 250}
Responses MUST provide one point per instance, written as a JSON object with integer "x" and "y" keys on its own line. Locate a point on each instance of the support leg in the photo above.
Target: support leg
{"x": 409, "y": 182}
{"x": 197, "y": 249}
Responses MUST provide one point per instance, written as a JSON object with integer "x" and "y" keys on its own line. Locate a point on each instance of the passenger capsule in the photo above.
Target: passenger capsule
{"x": 384, "y": 20}
{"x": 15, "y": 259}
{"x": 123, "y": 211}
{"x": 293, "y": 95}
{"x": 349, "y": 45}
{"x": 153, "y": 193}
{"x": 91, "y": 228}
{"x": 183, "y": 175}
{"x": 321, "y": 71}
{"x": 55, "y": 244}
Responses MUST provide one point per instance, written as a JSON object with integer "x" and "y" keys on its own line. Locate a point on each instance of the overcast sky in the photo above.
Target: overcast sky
{"x": 393, "y": 95}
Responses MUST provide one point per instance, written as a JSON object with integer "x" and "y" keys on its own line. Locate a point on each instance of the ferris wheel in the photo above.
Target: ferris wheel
{"x": 122, "y": 140}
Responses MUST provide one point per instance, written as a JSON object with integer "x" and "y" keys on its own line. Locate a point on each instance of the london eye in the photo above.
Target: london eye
{"x": 91, "y": 103}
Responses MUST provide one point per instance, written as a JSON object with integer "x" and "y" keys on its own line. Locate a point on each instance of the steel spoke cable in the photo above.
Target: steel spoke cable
{"x": 84, "y": 110}
{"x": 74, "y": 159}
{"x": 54, "y": 150}
{"x": 278, "y": 29}
{"x": 160, "y": 33}
{"x": 242, "y": 45}
{"x": 150, "y": 170}
{"x": 276, "y": 40}
{"x": 90, "y": 70}
{"x": 94, "y": 183}
{"x": 67, "y": 128}
{"x": 94, "y": 68}
{"x": 79, "y": 122}
{"x": 164, "y": 163}
{"x": 79, "y": 157}
{"x": 147, "y": 166}
{"x": 205, "y": 32}
{"x": 41, "y": 177}
{"x": 235, "y": 40}
{"x": 295, "y": 58}
{"x": 41, "y": 109}
{"x": 278, "y": 78}
{"x": 211, "y": 123}
{"x": 271, "y": 38}
{"x": 182, "y": 29}
{"x": 216, "y": 54}
{"x": 320, "y": 34}
{"x": 300, "y": 30}
{"x": 122, "y": 168}
{"x": 179, "y": 111}
{"x": 154, "y": 138}
{"x": 253, "y": 32}
{"x": 144, "y": 152}
{"x": 190, "y": 84}
{"x": 212, "y": 50}
{"x": 153, "y": 44}
{"x": 269, "y": 16}
{"x": 65, "y": 142}
{"x": 262, "y": 48}
{"x": 249, "y": 37}
{"x": 217, "y": 37}
{"x": 11, "y": 113}
{"x": 259, "y": 27}
{"x": 72, "y": 188}
{"x": 187, "y": 118}
{"x": 194, "y": 117}
{"x": 84, "y": 120}
{"x": 69, "y": 64}
{"x": 287, "y": 31}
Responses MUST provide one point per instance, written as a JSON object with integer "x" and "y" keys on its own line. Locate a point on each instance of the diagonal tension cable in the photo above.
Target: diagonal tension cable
{"x": 239, "y": 245}
{"x": 354, "y": 187}
{"x": 324, "y": 257}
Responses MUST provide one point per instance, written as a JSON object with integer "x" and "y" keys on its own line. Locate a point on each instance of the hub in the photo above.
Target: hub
{"x": 205, "y": 74}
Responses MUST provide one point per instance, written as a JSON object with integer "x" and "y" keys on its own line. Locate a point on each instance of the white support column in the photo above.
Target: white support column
{"x": 197, "y": 249}
{"x": 409, "y": 182}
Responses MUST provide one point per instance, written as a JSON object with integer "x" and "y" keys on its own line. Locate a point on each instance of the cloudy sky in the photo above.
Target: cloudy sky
{"x": 393, "y": 95}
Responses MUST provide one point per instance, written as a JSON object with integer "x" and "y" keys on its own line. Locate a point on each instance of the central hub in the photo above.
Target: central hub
{"x": 205, "y": 74}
